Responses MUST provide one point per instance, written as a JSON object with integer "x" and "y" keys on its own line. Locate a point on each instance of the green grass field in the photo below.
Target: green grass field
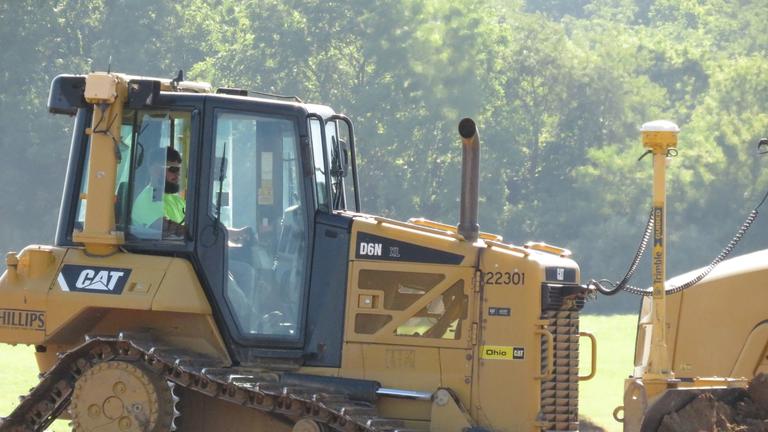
{"x": 598, "y": 397}
{"x": 18, "y": 373}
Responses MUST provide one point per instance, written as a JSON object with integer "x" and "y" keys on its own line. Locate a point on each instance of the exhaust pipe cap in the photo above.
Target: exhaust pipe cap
{"x": 467, "y": 128}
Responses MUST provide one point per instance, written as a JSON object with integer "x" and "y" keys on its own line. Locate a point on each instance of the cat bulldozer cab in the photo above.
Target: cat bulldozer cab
{"x": 212, "y": 270}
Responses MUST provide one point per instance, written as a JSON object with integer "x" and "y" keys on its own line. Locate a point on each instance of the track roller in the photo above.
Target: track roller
{"x": 309, "y": 425}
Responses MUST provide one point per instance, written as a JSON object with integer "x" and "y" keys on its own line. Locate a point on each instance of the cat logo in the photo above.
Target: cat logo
{"x": 560, "y": 273}
{"x": 518, "y": 353}
{"x": 100, "y": 280}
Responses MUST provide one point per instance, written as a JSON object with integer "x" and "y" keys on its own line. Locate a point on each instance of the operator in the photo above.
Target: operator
{"x": 154, "y": 207}
{"x": 151, "y": 207}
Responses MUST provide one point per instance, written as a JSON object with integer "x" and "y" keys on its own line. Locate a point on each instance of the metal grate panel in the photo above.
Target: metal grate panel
{"x": 560, "y": 395}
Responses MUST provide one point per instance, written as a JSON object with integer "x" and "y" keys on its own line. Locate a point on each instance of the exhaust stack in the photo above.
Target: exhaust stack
{"x": 470, "y": 179}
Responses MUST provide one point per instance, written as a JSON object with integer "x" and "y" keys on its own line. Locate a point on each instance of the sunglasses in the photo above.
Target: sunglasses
{"x": 173, "y": 168}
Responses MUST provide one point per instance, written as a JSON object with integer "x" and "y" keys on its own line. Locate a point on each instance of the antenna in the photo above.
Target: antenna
{"x": 179, "y": 78}
{"x": 109, "y": 65}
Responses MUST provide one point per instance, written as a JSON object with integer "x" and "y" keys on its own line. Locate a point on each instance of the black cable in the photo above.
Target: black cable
{"x": 722, "y": 256}
{"x": 762, "y": 201}
{"x": 727, "y": 250}
{"x": 617, "y": 287}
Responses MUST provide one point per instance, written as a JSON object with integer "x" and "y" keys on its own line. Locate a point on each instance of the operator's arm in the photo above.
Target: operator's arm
{"x": 160, "y": 214}
{"x": 146, "y": 210}
{"x": 174, "y": 217}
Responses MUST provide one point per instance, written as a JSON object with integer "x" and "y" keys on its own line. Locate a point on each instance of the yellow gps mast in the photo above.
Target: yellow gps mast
{"x": 652, "y": 391}
{"x": 107, "y": 92}
{"x": 659, "y": 137}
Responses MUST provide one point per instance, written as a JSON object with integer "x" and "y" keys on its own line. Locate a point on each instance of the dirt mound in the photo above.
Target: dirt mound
{"x": 744, "y": 411}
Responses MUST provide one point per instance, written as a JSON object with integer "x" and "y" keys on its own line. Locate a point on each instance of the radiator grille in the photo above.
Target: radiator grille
{"x": 560, "y": 395}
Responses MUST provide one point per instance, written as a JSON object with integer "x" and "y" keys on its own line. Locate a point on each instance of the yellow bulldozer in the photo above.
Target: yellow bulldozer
{"x": 717, "y": 337}
{"x": 699, "y": 328}
{"x": 212, "y": 270}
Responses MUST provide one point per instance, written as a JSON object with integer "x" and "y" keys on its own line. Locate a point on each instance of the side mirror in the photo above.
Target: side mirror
{"x": 67, "y": 94}
{"x": 143, "y": 93}
{"x": 340, "y": 158}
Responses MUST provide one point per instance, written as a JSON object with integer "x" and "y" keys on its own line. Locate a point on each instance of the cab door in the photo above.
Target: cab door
{"x": 255, "y": 228}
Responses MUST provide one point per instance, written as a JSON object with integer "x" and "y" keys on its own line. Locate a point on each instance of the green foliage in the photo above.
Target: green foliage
{"x": 558, "y": 88}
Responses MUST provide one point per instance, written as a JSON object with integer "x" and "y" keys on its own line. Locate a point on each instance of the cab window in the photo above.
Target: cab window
{"x": 333, "y": 166}
{"x": 151, "y": 181}
{"x": 321, "y": 190}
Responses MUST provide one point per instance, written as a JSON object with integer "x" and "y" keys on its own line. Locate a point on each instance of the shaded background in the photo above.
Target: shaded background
{"x": 559, "y": 89}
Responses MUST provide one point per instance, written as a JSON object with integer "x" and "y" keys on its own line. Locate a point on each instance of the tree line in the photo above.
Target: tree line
{"x": 559, "y": 89}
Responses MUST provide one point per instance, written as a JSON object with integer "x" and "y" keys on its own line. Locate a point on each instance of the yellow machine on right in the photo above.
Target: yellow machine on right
{"x": 716, "y": 340}
{"x": 701, "y": 343}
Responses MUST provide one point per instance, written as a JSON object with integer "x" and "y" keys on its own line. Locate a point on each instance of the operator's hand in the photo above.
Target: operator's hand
{"x": 173, "y": 229}
{"x": 241, "y": 236}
